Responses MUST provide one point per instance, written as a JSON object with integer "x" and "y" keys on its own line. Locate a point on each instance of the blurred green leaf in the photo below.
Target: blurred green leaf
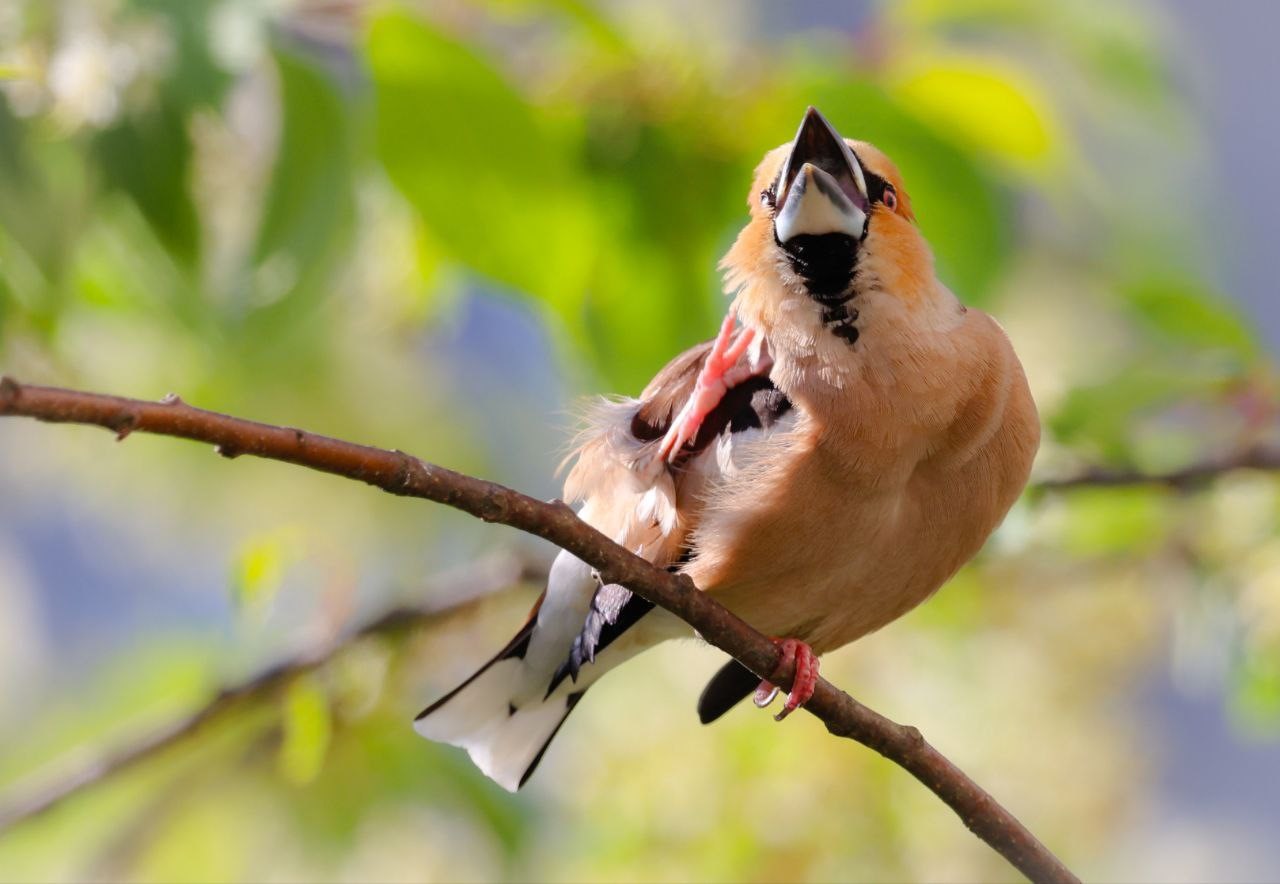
{"x": 35, "y": 215}
{"x": 309, "y": 204}
{"x": 257, "y": 572}
{"x": 992, "y": 105}
{"x": 958, "y": 606}
{"x": 985, "y": 13}
{"x": 1255, "y": 696}
{"x": 1100, "y": 419}
{"x": 195, "y": 80}
{"x": 654, "y": 288}
{"x": 148, "y": 156}
{"x": 599, "y": 230}
{"x": 1128, "y": 64}
{"x": 1115, "y": 521}
{"x": 592, "y": 160}
{"x": 148, "y": 682}
{"x": 486, "y": 172}
{"x": 1114, "y": 43}
{"x": 6, "y": 298}
{"x": 1186, "y": 312}
{"x": 591, "y": 17}
{"x": 198, "y": 844}
{"x": 307, "y": 727}
{"x": 379, "y": 761}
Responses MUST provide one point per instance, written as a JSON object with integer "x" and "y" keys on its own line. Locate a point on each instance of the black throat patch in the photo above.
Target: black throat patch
{"x": 825, "y": 262}
{"x": 828, "y": 265}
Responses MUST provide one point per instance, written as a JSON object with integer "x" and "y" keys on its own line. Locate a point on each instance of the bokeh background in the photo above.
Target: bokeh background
{"x": 437, "y": 226}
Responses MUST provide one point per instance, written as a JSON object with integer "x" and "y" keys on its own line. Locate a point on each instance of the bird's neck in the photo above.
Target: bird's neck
{"x": 907, "y": 345}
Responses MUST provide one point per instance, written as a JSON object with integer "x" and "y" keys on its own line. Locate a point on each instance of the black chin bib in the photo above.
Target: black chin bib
{"x": 825, "y": 263}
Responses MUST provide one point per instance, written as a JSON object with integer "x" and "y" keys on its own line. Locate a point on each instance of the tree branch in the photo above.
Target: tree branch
{"x": 399, "y": 473}
{"x": 486, "y": 580}
{"x": 1181, "y": 479}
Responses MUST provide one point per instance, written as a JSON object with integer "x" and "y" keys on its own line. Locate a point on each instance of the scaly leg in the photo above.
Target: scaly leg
{"x": 720, "y": 372}
{"x": 795, "y": 654}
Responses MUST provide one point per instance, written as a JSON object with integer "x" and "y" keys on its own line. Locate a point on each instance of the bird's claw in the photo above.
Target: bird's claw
{"x": 798, "y": 658}
{"x": 720, "y": 372}
{"x": 764, "y": 694}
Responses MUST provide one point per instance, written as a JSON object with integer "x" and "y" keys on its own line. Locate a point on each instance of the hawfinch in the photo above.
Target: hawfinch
{"x": 846, "y": 443}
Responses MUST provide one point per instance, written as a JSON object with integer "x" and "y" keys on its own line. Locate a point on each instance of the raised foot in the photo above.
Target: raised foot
{"x": 720, "y": 372}
{"x": 797, "y": 656}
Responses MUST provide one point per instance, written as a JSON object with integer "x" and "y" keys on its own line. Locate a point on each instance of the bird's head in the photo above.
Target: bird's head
{"x": 830, "y": 223}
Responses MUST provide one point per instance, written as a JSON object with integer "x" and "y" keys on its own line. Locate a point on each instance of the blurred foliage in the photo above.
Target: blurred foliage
{"x": 428, "y": 226}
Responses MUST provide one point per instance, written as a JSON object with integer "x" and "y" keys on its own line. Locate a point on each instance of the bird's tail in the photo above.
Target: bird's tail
{"x": 481, "y": 715}
{"x": 507, "y": 713}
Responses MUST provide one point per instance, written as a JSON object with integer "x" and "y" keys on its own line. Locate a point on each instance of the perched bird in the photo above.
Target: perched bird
{"x": 821, "y": 468}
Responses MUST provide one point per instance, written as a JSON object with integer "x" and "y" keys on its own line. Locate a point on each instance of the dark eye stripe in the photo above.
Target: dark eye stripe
{"x": 876, "y": 186}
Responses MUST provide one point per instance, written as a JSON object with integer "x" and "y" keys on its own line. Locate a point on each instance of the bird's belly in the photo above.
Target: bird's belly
{"x": 831, "y": 562}
{"x": 827, "y": 597}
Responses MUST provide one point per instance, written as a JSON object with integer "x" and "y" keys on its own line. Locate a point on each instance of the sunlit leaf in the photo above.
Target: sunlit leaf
{"x": 1115, "y": 45}
{"x": 487, "y": 174}
{"x": 307, "y": 727}
{"x": 259, "y": 567}
{"x": 992, "y": 106}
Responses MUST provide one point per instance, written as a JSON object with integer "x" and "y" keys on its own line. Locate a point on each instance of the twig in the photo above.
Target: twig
{"x": 486, "y": 580}
{"x": 1181, "y": 479}
{"x": 401, "y": 474}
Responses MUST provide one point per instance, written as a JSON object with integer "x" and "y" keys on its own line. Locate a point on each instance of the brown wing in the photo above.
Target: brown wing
{"x": 753, "y": 403}
{"x": 618, "y": 435}
{"x": 667, "y": 393}
{"x": 614, "y": 468}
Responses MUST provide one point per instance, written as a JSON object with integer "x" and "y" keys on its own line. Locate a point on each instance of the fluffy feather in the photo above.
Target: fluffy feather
{"x": 891, "y": 435}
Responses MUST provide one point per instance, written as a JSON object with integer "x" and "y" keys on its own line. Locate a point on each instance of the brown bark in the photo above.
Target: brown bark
{"x": 401, "y": 474}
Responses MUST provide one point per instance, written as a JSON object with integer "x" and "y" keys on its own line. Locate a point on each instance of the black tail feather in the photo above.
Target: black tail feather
{"x": 614, "y": 610}
{"x": 729, "y": 686}
{"x": 517, "y": 647}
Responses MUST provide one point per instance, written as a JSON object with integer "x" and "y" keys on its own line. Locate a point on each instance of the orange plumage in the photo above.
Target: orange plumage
{"x": 834, "y": 476}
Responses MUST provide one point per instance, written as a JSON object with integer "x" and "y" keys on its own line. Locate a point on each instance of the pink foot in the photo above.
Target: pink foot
{"x": 795, "y": 654}
{"x": 720, "y": 372}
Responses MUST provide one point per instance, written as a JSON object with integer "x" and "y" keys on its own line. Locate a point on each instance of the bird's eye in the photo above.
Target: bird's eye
{"x": 890, "y": 198}
{"x": 768, "y": 198}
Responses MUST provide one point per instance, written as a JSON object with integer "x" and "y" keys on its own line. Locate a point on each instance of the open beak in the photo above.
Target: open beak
{"x": 821, "y": 188}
